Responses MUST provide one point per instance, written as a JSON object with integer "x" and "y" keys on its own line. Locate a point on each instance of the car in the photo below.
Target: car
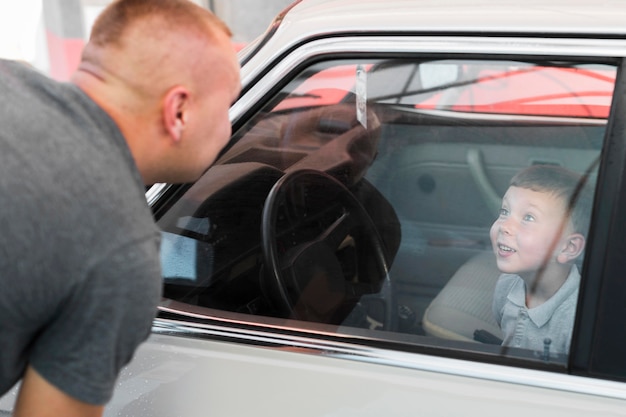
{"x": 336, "y": 259}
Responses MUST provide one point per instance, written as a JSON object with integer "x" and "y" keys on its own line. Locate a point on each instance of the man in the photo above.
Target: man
{"x": 79, "y": 264}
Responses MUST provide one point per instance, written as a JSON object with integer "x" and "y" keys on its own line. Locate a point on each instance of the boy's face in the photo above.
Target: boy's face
{"x": 528, "y": 233}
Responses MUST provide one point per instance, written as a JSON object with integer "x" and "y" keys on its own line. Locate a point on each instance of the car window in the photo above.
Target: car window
{"x": 374, "y": 198}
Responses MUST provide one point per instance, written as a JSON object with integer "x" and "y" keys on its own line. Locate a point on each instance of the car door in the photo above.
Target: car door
{"x": 425, "y": 139}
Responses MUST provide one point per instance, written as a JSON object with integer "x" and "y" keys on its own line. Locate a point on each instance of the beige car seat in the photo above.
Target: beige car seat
{"x": 464, "y": 304}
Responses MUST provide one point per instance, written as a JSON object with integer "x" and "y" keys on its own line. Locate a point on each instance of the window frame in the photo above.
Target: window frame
{"x": 597, "y": 349}
{"x": 257, "y": 92}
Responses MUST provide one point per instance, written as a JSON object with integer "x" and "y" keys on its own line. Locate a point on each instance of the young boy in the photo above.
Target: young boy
{"x": 538, "y": 235}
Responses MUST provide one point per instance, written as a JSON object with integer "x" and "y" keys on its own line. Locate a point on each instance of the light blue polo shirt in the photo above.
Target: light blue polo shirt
{"x": 528, "y": 328}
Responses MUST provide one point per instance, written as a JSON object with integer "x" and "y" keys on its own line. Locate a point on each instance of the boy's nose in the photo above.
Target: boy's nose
{"x": 506, "y": 227}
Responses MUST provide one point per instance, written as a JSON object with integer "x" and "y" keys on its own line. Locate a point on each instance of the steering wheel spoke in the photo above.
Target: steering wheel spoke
{"x": 338, "y": 231}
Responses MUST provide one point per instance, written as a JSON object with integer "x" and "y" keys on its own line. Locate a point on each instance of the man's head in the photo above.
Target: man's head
{"x": 544, "y": 219}
{"x": 166, "y": 72}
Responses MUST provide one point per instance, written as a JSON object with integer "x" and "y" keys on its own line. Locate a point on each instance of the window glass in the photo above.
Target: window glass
{"x": 434, "y": 202}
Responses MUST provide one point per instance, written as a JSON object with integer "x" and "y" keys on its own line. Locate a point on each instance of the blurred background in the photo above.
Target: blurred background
{"x": 50, "y": 34}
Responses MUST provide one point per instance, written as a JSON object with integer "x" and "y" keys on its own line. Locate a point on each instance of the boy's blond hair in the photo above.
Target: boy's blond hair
{"x": 567, "y": 185}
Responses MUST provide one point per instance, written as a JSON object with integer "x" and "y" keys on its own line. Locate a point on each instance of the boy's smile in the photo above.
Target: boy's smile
{"x": 528, "y": 233}
{"x": 505, "y": 250}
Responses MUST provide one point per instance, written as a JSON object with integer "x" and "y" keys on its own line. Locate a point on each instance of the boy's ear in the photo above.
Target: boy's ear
{"x": 573, "y": 246}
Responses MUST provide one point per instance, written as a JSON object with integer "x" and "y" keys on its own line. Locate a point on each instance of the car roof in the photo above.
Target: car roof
{"x": 564, "y": 17}
{"x": 313, "y": 19}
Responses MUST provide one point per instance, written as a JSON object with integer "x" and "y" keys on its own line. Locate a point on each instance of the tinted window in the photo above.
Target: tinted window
{"x": 368, "y": 196}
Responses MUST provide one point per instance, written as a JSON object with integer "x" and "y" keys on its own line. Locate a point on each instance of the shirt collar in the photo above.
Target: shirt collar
{"x": 541, "y": 314}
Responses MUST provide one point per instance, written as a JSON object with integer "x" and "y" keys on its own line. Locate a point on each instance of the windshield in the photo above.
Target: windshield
{"x": 477, "y": 87}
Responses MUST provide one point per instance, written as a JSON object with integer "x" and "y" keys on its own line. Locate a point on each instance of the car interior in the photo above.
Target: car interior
{"x": 362, "y": 194}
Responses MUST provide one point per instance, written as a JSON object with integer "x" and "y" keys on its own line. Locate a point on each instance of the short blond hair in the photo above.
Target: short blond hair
{"x": 112, "y": 23}
{"x": 572, "y": 188}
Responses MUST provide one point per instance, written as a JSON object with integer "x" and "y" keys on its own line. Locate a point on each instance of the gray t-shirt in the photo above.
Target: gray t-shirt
{"x": 528, "y": 328}
{"x": 79, "y": 264}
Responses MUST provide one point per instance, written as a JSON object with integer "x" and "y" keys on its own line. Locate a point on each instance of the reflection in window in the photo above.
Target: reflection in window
{"x": 359, "y": 167}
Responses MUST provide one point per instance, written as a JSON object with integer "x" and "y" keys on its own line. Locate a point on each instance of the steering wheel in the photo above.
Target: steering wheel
{"x": 324, "y": 258}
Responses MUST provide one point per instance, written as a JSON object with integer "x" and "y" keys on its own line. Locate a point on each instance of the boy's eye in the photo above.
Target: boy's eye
{"x": 504, "y": 212}
{"x": 529, "y": 218}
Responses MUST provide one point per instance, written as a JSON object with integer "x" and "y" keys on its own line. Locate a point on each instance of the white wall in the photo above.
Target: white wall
{"x": 22, "y": 31}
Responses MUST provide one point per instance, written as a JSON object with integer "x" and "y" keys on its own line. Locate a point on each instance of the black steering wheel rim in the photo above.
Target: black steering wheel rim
{"x": 354, "y": 213}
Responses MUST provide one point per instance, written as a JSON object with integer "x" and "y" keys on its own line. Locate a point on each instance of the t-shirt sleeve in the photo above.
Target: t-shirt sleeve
{"x": 98, "y": 328}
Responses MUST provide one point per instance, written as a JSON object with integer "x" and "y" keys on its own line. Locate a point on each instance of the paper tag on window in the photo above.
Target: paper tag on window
{"x": 361, "y": 95}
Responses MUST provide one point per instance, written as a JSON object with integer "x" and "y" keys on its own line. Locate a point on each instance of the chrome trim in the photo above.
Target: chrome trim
{"x": 155, "y": 192}
{"x": 452, "y": 114}
{"x": 408, "y": 44}
{"x": 415, "y": 361}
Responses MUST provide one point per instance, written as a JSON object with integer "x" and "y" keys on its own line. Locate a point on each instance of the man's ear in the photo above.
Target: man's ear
{"x": 573, "y": 246}
{"x": 174, "y": 111}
